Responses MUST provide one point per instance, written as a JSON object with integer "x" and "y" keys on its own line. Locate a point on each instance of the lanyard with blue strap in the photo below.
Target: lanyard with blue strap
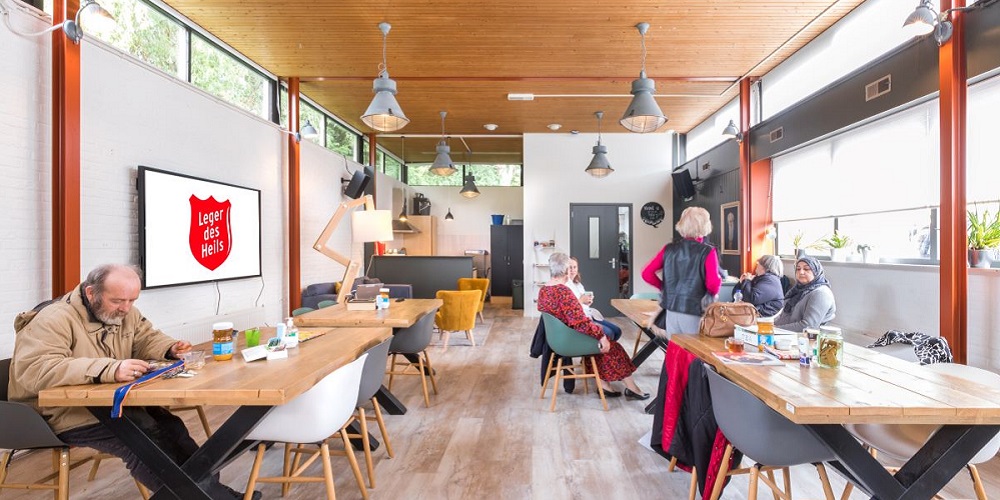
{"x": 122, "y": 392}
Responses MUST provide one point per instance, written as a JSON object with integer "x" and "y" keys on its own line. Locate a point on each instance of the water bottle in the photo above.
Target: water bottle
{"x": 291, "y": 339}
{"x": 737, "y": 296}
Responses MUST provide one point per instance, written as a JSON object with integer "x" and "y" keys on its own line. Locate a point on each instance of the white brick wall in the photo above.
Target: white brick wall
{"x": 134, "y": 115}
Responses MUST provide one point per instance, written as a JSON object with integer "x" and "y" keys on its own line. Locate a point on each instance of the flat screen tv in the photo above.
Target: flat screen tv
{"x": 194, "y": 230}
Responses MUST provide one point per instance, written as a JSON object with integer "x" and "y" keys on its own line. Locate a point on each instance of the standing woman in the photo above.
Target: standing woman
{"x": 810, "y": 302}
{"x": 689, "y": 269}
{"x": 574, "y": 283}
{"x": 613, "y": 364}
{"x": 762, "y": 287}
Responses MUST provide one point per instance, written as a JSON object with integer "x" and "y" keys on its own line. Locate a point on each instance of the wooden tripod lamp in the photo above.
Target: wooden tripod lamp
{"x": 367, "y": 226}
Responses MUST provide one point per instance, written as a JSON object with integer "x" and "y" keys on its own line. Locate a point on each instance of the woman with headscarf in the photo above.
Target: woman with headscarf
{"x": 809, "y": 303}
{"x": 762, "y": 288}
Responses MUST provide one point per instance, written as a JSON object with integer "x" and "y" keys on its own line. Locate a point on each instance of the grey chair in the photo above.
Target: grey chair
{"x": 414, "y": 341}
{"x": 764, "y": 436}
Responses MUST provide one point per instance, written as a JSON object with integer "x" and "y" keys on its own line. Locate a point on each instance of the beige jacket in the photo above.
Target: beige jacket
{"x": 65, "y": 345}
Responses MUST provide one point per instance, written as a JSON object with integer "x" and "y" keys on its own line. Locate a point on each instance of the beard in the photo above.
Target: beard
{"x": 108, "y": 316}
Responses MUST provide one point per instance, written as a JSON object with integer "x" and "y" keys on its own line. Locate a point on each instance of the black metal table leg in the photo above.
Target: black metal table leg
{"x": 648, "y": 349}
{"x": 388, "y": 401}
{"x": 355, "y": 428}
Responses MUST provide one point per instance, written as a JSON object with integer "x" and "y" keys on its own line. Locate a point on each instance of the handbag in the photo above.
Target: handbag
{"x": 721, "y": 318}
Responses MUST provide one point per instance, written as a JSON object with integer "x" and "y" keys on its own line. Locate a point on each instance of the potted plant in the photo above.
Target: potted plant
{"x": 837, "y": 243}
{"x": 984, "y": 236}
{"x": 868, "y": 256}
{"x": 798, "y": 241}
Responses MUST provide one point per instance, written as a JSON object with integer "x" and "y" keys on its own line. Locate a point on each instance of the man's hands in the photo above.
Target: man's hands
{"x": 179, "y": 347}
{"x": 131, "y": 369}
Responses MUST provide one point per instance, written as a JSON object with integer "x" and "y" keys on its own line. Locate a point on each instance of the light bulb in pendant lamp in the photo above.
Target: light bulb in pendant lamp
{"x": 599, "y": 166}
{"x": 384, "y": 113}
{"x": 643, "y": 114}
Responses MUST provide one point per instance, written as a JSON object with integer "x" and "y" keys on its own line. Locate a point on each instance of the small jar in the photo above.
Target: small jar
{"x": 222, "y": 341}
{"x": 830, "y": 347}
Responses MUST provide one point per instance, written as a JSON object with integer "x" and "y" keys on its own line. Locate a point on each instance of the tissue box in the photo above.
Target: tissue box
{"x": 749, "y": 335}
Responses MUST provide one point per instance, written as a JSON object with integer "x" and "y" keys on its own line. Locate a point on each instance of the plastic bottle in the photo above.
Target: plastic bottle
{"x": 222, "y": 341}
{"x": 737, "y": 296}
{"x": 291, "y": 339}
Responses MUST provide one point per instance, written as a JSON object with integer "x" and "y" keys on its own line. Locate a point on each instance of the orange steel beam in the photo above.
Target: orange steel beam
{"x": 954, "y": 271}
{"x": 760, "y": 211}
{"x": 294, "y": 235}
{"x": 372, "y": 142}
{"x": 65, "y": 154}
{"x": 747, "y": 204}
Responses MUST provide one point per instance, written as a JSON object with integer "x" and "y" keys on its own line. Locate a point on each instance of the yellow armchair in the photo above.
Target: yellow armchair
{"x": 458, "y": 313}
{"x": 481, "y": 284}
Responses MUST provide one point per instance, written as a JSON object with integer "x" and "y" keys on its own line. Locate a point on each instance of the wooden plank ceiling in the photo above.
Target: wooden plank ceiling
{"x": 464, "y": 57}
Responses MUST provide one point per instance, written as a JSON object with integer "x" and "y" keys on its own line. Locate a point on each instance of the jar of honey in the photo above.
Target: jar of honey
{"x": 222, "y": 341}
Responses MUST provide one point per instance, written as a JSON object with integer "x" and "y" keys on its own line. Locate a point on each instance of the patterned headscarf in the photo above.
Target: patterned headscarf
{"x": 799, "y": 291}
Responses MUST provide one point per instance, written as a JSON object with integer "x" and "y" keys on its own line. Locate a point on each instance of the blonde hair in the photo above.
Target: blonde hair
{"x": 694, "y": 223}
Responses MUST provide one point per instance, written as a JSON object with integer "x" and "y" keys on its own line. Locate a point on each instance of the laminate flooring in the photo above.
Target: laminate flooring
{"x": 488, "y": 435}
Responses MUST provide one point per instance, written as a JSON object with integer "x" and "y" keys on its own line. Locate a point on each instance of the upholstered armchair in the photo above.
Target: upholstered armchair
{"x": 481, "y": 284}
{"x": 458, "y": 313}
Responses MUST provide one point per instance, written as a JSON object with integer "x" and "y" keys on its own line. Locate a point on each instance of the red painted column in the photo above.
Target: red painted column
{"x": 65, "y": 154}
{"x": 294, "y": 215}
{"x": 747, "y": 231}
{"x": 760, "y": 211}
{"x": 954, "y": 247}
{"x": 372, "y": 142}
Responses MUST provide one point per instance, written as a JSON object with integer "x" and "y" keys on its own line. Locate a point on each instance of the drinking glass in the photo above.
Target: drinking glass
{"x": 252, "y": 336}
{"x": 194, "y": 360}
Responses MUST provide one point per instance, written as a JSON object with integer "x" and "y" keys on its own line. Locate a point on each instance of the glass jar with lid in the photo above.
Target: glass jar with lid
{"x": 830, "y": 347}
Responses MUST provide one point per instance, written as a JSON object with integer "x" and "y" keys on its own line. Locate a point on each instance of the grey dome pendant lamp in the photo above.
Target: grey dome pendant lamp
{"x": 443, "y": 165}
{"x": 599, "y": 166}
{"x": 449, "y": 216}
{"x": 469, "y": 189}
{"x": 643, "y": 114}
{"x": 384, "y": 113}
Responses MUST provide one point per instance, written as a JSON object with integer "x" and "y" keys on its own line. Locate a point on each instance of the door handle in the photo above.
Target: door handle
{"x": 614, "y": 262}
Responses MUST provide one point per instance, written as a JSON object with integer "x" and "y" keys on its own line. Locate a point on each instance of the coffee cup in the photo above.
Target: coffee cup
{"x": 734, "y": 344}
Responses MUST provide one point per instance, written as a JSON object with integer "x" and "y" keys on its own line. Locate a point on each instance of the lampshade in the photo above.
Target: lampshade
{"x": 98, "y": 18}
{"x": 308, "y": 131}
{"x": 731, "y": 132}
{"x": 922, "y": 20}
{"x": 384, "y": 113}
{"x": 469, "y": 190}
{"x": 449, "y": 216}
{"x": 371, "y": 225}
{"x": 442, "y": 162}
{"x": 643, "y": 114}
{"x": 599, "y": 165}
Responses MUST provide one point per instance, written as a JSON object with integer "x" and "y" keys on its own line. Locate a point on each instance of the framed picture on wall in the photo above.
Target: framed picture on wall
{"x": 730, "y": 226}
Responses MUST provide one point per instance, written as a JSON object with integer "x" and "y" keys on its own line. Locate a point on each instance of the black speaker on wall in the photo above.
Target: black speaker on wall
{"x": 683, "y": 185}
{"x": 359, "y": 181}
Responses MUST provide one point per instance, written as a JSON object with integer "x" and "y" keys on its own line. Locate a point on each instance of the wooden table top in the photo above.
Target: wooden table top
{"x": 869, "y": 387}
{"x": 641, "y": 311}
{"x": 399, "y": 315}
{"x": 236, "y": 382}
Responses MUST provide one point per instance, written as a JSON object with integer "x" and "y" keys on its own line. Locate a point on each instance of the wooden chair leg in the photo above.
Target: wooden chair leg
{"x": 548, "y": 375}
{"x": 95, "y": 465}
{"x": 255, "y": 472}
{"x": 672, "y": 464}
{"x": 430, "y": 371}
{"x": 324, "y": 450}
{"x": 4, "y": 464}
{"x": 392, "y": 370}
{"x": 848, "y": 489}
{"x": 600, "y": 389}
{"x": 60, "y": 462}
{"x": 468, "y": 333}
{"x": 366, "y": 444}
{"x": 555, "y": 388}
{"x": 423, "y": 380}
{"x": 354, "y": 463}
{"x": 825, "y": 481}
{"x": 287, "y": 467}
{"x": 774, "y": 492}
{"x": 723, "y": 472}
{"x": 977, "y": 482}
{"x": 754, "y": 477}
{"x": 693, "y": 490}
{"x": 445, "y": 334}
{"x": 638, "y": 339}
{"x": 382, "y": 428}
{"x": 786, "y": 474}
{"x": 204, "y": 420}
{"x": 143, "y": 491}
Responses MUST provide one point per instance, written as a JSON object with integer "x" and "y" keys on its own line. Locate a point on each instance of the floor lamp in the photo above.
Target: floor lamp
{"x": 367, "y": 226}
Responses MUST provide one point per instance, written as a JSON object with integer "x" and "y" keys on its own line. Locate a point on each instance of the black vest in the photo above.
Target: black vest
{"x": 684, "y": 276}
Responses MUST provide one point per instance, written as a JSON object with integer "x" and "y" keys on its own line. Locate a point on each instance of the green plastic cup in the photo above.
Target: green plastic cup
{"x": 253, "y": 337}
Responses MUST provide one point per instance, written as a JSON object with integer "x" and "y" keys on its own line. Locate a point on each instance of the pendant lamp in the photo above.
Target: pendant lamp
{"x": 469, "y": 189}
{"x": 443, "y": 165}
{"x": 384, "y": 113}
{"x": 643, "y": 114}
{"x": 599, "y": 165}
{"x": 449, "y": 216}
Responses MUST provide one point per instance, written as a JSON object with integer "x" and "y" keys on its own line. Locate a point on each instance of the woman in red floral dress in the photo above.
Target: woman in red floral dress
{"x": 613, "y": 364}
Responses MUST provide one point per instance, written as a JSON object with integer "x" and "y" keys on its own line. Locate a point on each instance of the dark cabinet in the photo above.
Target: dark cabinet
{"x": 507, "y": 258}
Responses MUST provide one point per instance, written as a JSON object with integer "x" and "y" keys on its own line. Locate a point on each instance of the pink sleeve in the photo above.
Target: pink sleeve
{"x": 649, "y": 272}
{"x": 713, "y": 282}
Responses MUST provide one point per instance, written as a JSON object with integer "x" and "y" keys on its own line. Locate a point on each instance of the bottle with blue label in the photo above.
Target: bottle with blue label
{"x": 291, "y": 334}
{"x": 222, "y": 341}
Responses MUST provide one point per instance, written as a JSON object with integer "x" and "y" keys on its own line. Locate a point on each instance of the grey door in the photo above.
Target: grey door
{"x": 595, "y": 242}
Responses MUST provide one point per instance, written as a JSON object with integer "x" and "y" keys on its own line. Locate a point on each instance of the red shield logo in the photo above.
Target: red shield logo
{"x": 210, "y": 236}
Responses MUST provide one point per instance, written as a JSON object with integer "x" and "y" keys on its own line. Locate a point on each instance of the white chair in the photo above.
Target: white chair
{"x": 902, "y": 441}
{"x": 312, "y": 417}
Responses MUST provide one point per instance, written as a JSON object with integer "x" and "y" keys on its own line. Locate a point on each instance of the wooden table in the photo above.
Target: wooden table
{"x": 642, "y": 312}
{"x": 399, "y": 315}
{"x": 255, "y": 387}
{"x": 873, "y": 388}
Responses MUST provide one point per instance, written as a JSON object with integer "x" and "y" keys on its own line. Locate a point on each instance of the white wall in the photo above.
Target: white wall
{"x": 134, "y": 115}
{"x": 554, "y": 177}
{"x": 471, "y": 228}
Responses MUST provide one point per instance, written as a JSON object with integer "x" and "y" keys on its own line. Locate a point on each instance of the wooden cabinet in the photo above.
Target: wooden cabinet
{"x": 424, "y": 242}
{"x": 507, "y": 259}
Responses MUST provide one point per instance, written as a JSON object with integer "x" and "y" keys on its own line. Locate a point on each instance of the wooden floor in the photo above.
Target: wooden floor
{"x": 487, "y": 435}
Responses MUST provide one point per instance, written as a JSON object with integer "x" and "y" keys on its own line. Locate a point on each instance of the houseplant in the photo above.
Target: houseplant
{"x": 984, "y": 236}
{"x": 798, "y": 241}
{"x": 868, "y": 255}
{"x": 837, "y": 243}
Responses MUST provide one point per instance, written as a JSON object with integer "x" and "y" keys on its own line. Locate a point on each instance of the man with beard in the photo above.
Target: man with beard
{"x": 94, "y": 335}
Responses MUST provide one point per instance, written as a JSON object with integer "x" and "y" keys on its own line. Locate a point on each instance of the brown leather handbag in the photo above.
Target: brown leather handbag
{"x": 721, "y": 318}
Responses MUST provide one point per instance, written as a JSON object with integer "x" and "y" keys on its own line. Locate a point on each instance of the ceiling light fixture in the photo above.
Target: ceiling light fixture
{"x": 554, "y": 126}
{"x": 599, "y": 166}
{"x": 923, "y": 20}
{"x": 307, "y": 132}
{"x": 731, "y": 132}
{"x": 384, "y": 113}
{"x": 469, "y": 189}
{"x": 443, "y": 165}
{"x": 449, "y": 216}
{"x": 402, "y": 213}
{"x": 491, "y": 126}
{"x": 643, "y": 114}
